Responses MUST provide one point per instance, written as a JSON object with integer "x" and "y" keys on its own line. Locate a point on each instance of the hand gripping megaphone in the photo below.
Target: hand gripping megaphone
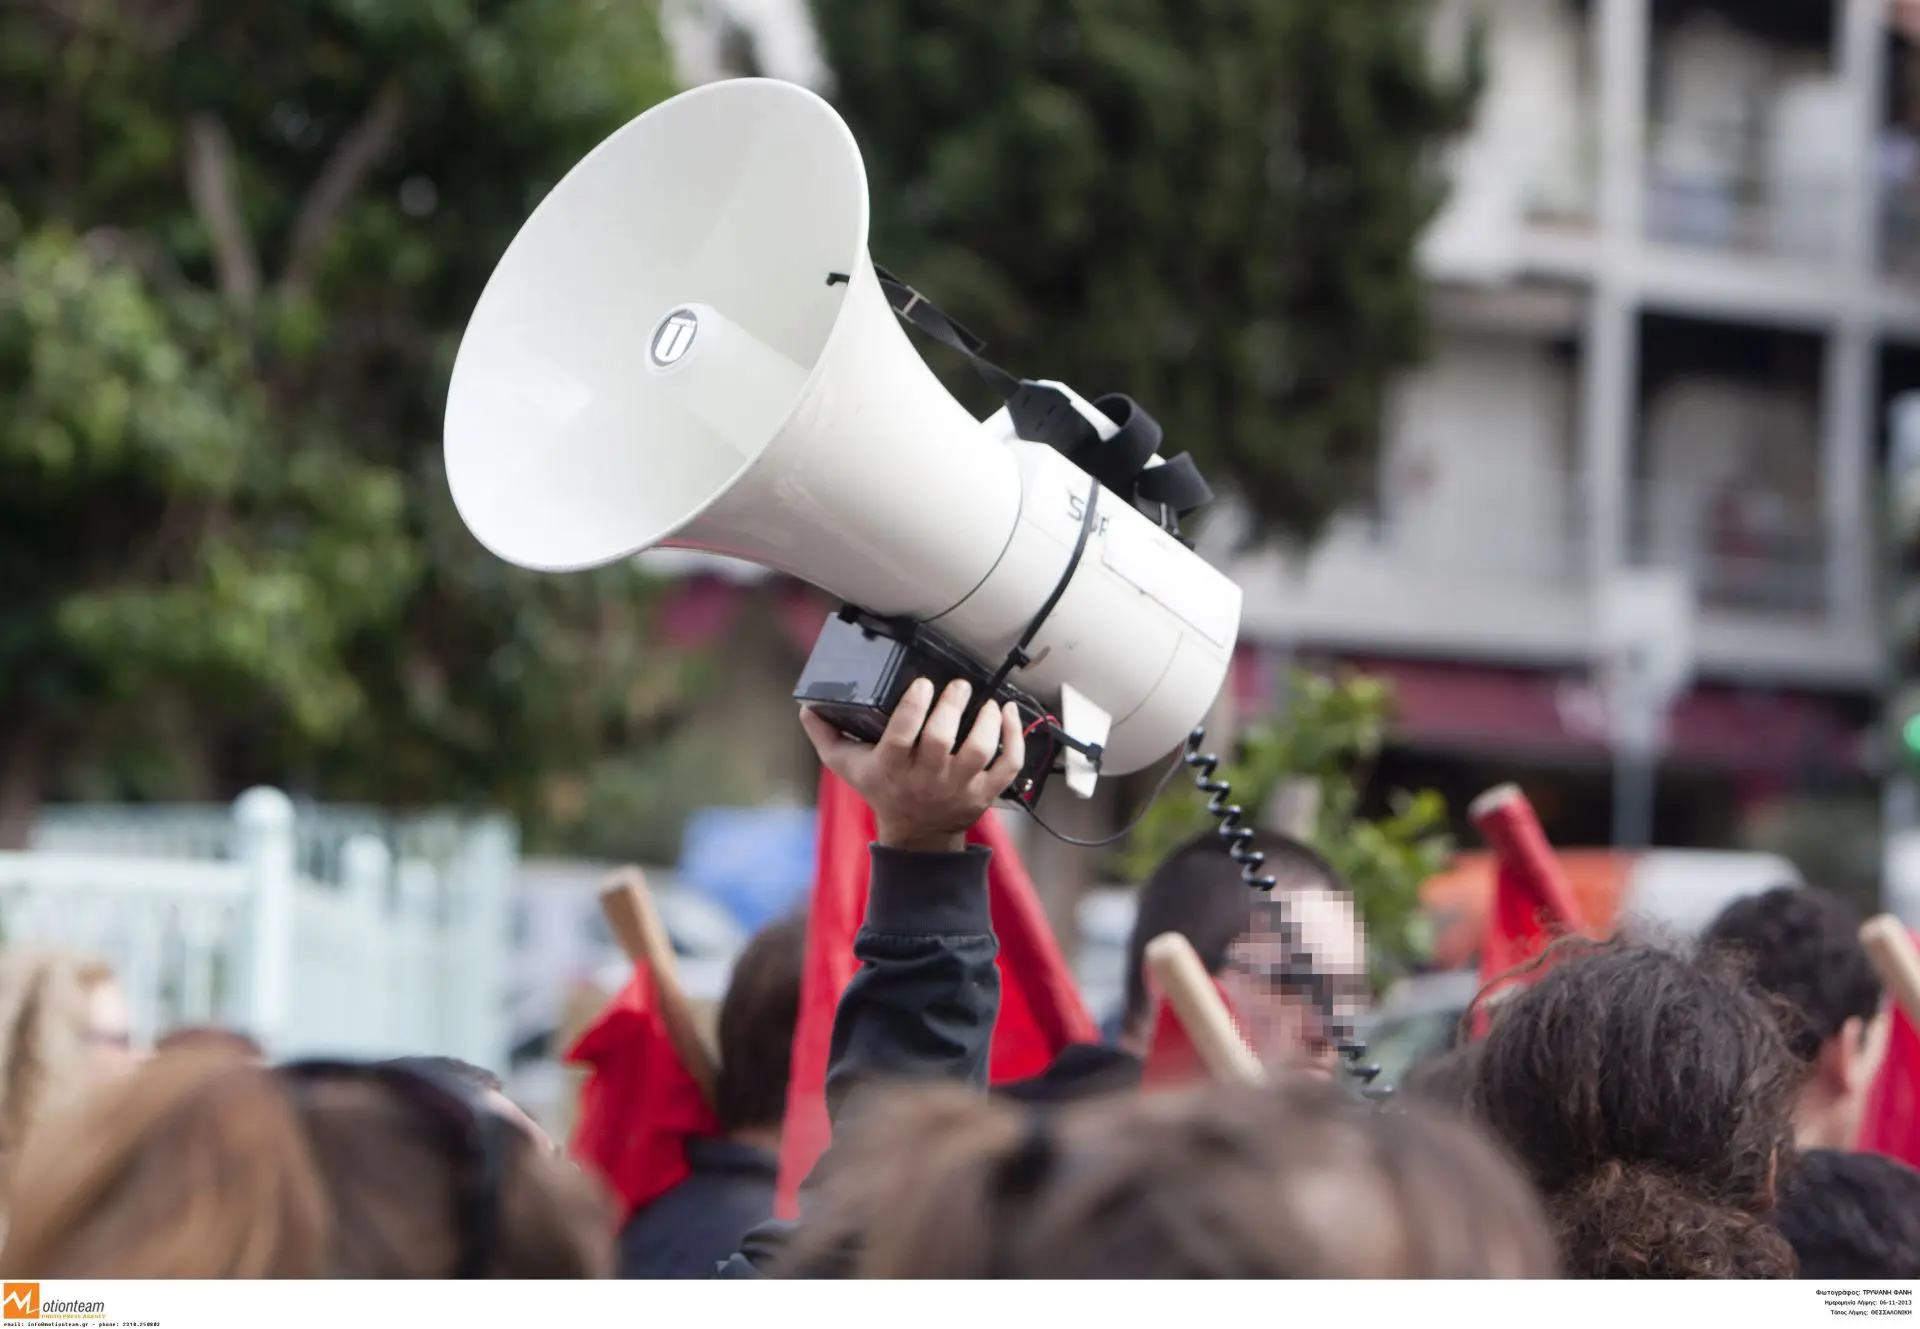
{"x": 688, "y": 345}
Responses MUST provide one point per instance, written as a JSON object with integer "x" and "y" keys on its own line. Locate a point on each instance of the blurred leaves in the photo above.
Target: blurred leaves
{"x": 148, "y": 539}
{"x": 1835, "y": 840}
{"x": 1210, "y": 205}
{"x": 1329, "y": 735}
{"x": 227, "y": 547}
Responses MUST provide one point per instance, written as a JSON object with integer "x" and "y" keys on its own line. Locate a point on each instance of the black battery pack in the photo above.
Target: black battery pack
{"x": 862, "y": 665}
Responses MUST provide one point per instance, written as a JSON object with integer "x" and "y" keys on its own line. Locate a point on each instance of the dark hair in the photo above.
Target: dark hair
{"x": 206, "y": 1164}
{"x": 1650, "y": 1096}
{"x": 1852, "y": 1216}
{"x": 1803, "y": 946}
{"x": 1207, "y": 1182}
{"x": 1198, "y": 892}
{"x": 1444, "y": 1080}
{"x": 476, "y": 1078}
{"x": 757, "y": 1017}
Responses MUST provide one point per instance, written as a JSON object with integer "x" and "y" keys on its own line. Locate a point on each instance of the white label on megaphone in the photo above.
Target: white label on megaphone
{"x": 673, "y": 338}
{"x": 729, "y": 380}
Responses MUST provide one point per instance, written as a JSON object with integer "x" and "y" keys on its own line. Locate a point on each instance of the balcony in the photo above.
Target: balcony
{"x": 1486, "y": 561}
{"x": 1501, "y": 572}
{"x": 1742, "y": 191}
{"x": 1747, "y": 552}
{"x": 1899, "y": 178}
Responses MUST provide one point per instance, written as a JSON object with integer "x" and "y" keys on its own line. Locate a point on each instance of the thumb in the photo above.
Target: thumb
{"x": 829, "y": 742}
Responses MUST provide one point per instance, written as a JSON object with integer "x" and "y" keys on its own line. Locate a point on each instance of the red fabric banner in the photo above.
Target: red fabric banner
{"x": 639, "y": 1106}
{"x": 1172, "y": 1059}
{"x": 1041, "y": 1010}
{"x": 1891, "y": 1123}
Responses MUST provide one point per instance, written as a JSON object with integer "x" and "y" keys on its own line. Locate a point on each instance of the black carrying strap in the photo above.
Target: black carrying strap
{"x": 930, "y": 319}
{"x": 1043, "y": 414}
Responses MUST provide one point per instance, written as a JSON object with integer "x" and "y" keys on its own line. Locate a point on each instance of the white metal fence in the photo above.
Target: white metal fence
{"x": 302, "y": 928}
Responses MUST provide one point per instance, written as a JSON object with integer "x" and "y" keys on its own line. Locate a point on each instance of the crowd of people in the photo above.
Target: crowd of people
{"x": 1634, "y": 1110}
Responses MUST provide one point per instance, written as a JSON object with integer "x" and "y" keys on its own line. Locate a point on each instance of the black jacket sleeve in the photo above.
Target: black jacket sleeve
{"x": 923, "y": 1003}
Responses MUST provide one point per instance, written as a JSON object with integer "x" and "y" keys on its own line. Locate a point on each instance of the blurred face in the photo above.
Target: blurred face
{"x": 1266, "y": 986}
{"x": 109, "y": 1032}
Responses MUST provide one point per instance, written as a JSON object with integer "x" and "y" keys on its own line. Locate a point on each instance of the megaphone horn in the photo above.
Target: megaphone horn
{"x": 688, "y": 345}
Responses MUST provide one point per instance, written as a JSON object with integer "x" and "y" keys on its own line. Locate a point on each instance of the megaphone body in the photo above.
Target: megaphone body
{"x": 688, "y": 345}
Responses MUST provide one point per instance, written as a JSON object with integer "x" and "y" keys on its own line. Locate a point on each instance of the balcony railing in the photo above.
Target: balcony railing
{"x": 1742, "y": 192}
{"x": 1510, "y": 525}
{"x": 1748, "y": 553}
{"x": 1529, "y": 527}
{"x": 1900, "y": 204}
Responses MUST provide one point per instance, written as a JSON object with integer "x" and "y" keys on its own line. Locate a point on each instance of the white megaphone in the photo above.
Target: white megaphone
{"x": 688, "y": 345}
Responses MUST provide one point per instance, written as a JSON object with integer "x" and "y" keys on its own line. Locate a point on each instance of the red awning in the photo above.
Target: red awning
{"x": 1556, "y": 714}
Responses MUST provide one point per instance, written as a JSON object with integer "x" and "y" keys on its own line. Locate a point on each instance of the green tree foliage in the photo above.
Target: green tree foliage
{"x": 1210, "y": 205}
{"x": 1833, "y": 838}
{"x": 1330, "y": 735}
{"x": 238, "y": 244}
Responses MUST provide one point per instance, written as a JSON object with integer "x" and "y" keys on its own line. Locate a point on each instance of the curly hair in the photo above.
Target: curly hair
{"x": 1650, "y": 1097}
{"x": 1209, "y": 1182}
{"x": 1852, "y": 1216}
{"x": 1802, "y": 946}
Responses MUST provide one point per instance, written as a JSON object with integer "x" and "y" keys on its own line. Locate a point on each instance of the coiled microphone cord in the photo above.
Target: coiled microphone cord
{"x": 1298, "y": 970}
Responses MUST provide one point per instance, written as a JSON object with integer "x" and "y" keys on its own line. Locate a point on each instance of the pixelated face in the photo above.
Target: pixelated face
{"x": 1271, "y": 980}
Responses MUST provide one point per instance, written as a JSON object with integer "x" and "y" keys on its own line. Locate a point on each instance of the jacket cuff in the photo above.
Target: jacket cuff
{"x": 929, "y": 895}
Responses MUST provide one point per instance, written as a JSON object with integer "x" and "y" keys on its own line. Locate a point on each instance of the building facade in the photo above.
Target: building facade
{"x": 1673, "y": 292}
{"x": 1676, "y": 285}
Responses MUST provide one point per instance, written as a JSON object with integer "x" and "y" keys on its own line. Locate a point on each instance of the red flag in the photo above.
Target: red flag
{"x": 1533, "y": 902}
{"x": 639, "y": 1106}
{"x": 1040, "y": 1006}
{"x": 1890, "y": 1124}
{"x": 1172, "y": 1059}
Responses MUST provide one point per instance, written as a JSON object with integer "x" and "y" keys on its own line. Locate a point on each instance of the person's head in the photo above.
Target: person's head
{"x": 1199, "y": 893}
{"x": 1649, "y": 1095}
{"x": 757, "y": 1018}
{"x": 1851, "y": 1216}
{"x": 194, "y": 1038}
{"x": 483, "y": 1083}
{"x": 204, "y": 1164}
{"x": 1802, "y": 946}
{"x": 1444, "y": 1080}
{"x": 1205, "y": 1182}
{"x": 64, "y": 1029}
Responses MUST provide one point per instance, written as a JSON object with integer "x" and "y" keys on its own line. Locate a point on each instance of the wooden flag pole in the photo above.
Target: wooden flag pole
{"x": 628, "y": 906}
{"x": 1890, "y": 947}
{"x": 1507, "y": 820}
{"x": 1185, "y": 985}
